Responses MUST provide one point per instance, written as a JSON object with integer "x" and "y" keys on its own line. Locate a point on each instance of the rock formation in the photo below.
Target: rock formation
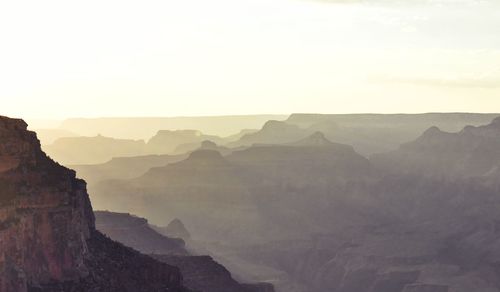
{"x": 123, "y": 167}
{"x": 176, "y": 229}
{"x": 200, "y": 273}
{"x": 472, "y": 152}
{"x": 136, "y": 233}
{"x": 48, "y": 240}
{"x": 92, "y": 150}
{"x": 204, "y": 145}
{"x": 273, "y": 132}
{"x": 332, "y": 220}
{"x": 166, "y": 141}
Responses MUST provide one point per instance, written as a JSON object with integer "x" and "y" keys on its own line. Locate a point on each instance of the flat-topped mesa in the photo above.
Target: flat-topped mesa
{"x": 48, "y": 240}
{"x": 278, "y": 126}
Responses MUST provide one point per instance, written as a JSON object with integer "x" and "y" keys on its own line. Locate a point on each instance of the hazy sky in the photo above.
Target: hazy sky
{"x": 198, "y": 57}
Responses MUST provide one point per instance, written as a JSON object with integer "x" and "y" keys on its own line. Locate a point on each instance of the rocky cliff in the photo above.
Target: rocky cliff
{"x": 136, "y": 233}
{"x": 200, "y": 273}
{"x": 48, "y": 240}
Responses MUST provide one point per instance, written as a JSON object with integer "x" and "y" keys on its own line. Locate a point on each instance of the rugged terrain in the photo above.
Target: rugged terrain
{"x": 48, "y": 240}
{"x": 200, "y": 273}
{"x": 421, "y": 218}
{"x": 367, "y": 133}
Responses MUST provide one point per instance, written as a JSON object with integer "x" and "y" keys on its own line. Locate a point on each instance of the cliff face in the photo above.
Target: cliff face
{"x": 42, "y": 209}
{"x": 135, "y": 232}
{"x": 48, "y": 240}
{"x": 200, "y": 273}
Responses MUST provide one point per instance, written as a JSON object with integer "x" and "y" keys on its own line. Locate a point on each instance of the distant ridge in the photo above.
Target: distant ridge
{"x": 473, "y": 151}
{"x": 317, "y": 139}
{"x": 145, "y": 127}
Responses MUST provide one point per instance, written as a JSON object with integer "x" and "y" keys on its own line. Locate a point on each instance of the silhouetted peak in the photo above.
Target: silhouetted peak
{"x": 206, "y": 156}
{"x": 177, "y": 229}
{"x": 432, "y": 131}
{"x": 316, "y": 139}
{"x": 207, "y": 144}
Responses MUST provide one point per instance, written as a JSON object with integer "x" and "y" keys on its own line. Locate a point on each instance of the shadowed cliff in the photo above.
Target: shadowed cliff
{"x": 48, "y": 240}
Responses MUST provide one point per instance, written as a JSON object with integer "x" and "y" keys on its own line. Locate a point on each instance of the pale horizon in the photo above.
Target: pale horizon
{"x": 199, "y": 58}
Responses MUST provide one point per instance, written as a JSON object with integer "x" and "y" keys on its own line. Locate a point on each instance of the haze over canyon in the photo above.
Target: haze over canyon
{"x": 307, "y": 203}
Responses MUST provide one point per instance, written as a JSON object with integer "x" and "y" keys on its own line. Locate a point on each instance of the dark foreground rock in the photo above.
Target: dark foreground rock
{"x": 48, "y": 240}
{"x": 200, "y": 273}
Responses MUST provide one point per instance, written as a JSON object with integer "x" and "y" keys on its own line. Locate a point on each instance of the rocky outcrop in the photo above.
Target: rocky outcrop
{"x": 136, "y": 233}
{"x": 176, "y": 229}
{"x": 48, "y": 240}
{"x": 200, "y": 273}
{"x": 316, "y": 211}
{"x": 204, "y": 145}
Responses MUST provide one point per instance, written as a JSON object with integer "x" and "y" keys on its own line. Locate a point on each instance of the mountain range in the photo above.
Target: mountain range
{"x": 321, "y": 217}
{"x": 51, "y": 240}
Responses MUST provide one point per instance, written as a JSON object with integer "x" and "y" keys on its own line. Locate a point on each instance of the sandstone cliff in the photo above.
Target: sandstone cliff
{"x": 48, "y": 240}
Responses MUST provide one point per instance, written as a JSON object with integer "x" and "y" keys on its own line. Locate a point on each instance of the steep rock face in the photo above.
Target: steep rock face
{"x": 200, "y": 273}
{"x": 48, "y": 240}
{"x": 135, "y": 232}
{"x": 43, "y": 207}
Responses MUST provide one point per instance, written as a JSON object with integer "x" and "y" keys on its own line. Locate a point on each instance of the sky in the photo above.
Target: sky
{"x": 62, "y": 59}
